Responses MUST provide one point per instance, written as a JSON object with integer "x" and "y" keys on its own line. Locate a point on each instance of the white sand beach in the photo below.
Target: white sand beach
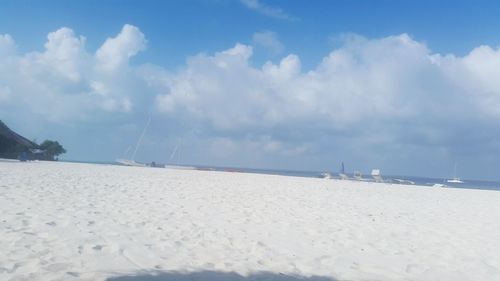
{"x": 67, "y": 221}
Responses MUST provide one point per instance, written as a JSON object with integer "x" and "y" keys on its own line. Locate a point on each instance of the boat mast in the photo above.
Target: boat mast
{"x": 140, "y": 138}
{"x": 174, "y": 152}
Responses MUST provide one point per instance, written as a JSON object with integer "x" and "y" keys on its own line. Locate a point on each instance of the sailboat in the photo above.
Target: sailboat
{"x": 326, "y": 175}
{"x": 377, "y": 177}
{"x": 176, "y": 154}
{"x": 358, "y": 176}
{"x": 342, "y": 174}
{"x": 132, "y": 162}
{"x": 455, "y": 179}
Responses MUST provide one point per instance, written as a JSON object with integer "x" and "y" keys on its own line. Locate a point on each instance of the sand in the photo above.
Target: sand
{"x": 66, "y": 221}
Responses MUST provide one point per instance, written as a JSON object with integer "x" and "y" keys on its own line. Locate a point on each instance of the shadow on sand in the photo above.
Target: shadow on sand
{"x": 214, "y": 276}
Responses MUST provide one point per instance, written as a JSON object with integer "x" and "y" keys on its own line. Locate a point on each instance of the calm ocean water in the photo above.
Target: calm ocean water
{"x": 419, "y": 181}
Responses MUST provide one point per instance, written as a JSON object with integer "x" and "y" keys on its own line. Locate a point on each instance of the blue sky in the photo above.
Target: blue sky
{"x": 406, "y": 86}
{"x": 211, "y": 25}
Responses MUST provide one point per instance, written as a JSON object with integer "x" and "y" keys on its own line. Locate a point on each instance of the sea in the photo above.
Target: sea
{"x": 396, "y": 179}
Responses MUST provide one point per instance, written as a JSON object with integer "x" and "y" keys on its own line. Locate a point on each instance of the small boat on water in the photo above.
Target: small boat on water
{"x": 358, "y": 176}
{"x": 178, "y": 167}
{"x": 401, "y": 181}
{"x": 131, "y": 161}
{"x": 326, "y": 175}
{"x": 377, "y": 177}
{"x": 455, "y": 179}
{"x": 342, "y": 174}
{"x": 128, "y": 162}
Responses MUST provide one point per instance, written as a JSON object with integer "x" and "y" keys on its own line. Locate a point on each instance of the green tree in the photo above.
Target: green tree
{"x": 52, "y": 149}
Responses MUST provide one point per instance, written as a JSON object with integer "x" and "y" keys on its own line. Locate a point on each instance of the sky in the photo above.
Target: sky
{"x": 409, "y": 87}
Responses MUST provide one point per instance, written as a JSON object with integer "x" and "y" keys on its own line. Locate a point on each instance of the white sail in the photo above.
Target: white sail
{"x": 342, "y": 174}
{"x": 132, "y": 162}
{"x": 455, "y": 179}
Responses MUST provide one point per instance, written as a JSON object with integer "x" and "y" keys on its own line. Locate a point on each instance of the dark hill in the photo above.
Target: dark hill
{"x": 13, "y": 144}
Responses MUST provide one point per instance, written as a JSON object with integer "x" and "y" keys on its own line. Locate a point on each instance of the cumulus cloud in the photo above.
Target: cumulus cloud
{"x": 65, "y": 82}
{"x": 64, "y": 54}
{"x": 387, "y": 90}
{"x": 116, "y": 52}
{"x": 7, "y": 46}
{"x": 369, "y": 98}
{"x": 269, "y": 40}
{"x": 351, "y": 84}
{"x": 274, "y": 12}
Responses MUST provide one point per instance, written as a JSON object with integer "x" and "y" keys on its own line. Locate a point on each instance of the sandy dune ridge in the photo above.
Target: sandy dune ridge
{"x": 68, "y": 221}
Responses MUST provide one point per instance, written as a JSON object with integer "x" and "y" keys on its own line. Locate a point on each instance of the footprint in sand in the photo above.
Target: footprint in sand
{"x": 57, "y": 267}
{"x": 74, "y": 274}
{"x": 322, "y": 259}
{"x": 412, "y": 268}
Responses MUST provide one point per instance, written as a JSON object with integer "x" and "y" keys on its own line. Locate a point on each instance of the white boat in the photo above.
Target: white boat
{"x": 173, "y": 162}
{"x": 128, "y": 162}
{"x": 402, "y": 181}
{"x": 132, "y": 162}
{"x": 178, "y": 167}
{"x": 358, "y": 176}
{"x": 326, "y": 175}
{"x": 455, "y": 179}
{"x": 342, "y": 174}
{"x": 377, "y": 177}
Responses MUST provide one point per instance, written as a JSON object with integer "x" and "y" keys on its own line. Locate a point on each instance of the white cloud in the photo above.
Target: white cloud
{"x": 387, "y": 93}
{"x": 7, "y": 46}
{"x": 65, "y": 82}
{"x": 64, "y": 54}
{"x": 115, "y": 52}
{"x": 480, "y": 77}
{"x": 274, "y": 12}
{"x": 4, "y": 93}
{"x": 362, "y": 80}
{"x": 386, "y": 90}
{"x": 391, "y": 79}
{"x": 268, "y": 40}
{"x": 249, "y": 151}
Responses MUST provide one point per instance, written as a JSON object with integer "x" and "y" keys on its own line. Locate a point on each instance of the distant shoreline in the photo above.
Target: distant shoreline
{"x": 419, "y": 181}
